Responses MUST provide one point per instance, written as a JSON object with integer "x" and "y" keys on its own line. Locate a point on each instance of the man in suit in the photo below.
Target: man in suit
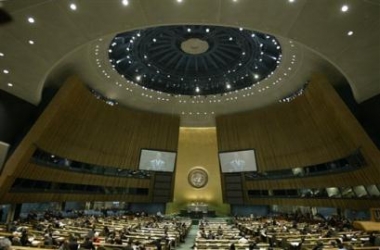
{"x": 237, "y": 164}
{"x": 157, "y": 164}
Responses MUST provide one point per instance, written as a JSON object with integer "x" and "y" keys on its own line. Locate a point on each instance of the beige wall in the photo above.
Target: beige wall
{"x": 197, "y": 147}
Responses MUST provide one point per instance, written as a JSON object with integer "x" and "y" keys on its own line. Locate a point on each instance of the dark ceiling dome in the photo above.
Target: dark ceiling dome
{"x": 194, "y": 59}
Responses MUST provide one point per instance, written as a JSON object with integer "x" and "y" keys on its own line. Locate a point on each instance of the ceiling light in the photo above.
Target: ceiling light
{"x": 125, "y": 2}
{"x": 1, "y": 54}
{"x": 256, "y": 76}
{"x": 241, "y": 29}
{"x": 188, "y": 30}
{"x": 207, "y": 30}
{"x": 230, "y": 38}
{"x": 228, "y": 86}
{"x": 179, "y": 1}
{"x": 291, "y": 1}
{"x": 138, "y": 78}
{"x": 154, "y": 40}
{"x": 5, "y": 71}
{"x": 31, "y": 20}
{"x": 73, "y": 6}
{"x": 344, "y": 8}
{"x": 31, "y": 42}
{"x": 350, "y": 33}
{"x": 197, "y": 89}
{"x": 10, "y": 84}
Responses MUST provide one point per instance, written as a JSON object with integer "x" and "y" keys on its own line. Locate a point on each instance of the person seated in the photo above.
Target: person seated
{"x": 5, "y": 244}
{"x": 253, "y": 246}
{"x": 232, "y": 246}
{"x": 210, "y": 235}
{"x": 73, "y": 244}
{"x": 64, "y": 245}
{"x": 48, "y": 240}
{"x": 243, "y": 240}
{"x": 118, "y": 240}
{"x": 87, "y": 244}
{"x": 220, "y": 231}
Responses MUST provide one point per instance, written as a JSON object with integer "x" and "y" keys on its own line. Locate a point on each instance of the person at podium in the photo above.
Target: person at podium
{"x": 237, "y": 164}
{"x": 157, "y": 164}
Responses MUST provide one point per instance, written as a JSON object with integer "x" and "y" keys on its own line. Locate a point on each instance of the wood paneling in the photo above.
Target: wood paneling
{"x": 339, "y": 203}
{"x": 314, "y": 128}
{"x": 80, "y": 127}
{"x": 35, "y": 172}
{"x": 59, "y": 197}
{"x": 88, "y": 130}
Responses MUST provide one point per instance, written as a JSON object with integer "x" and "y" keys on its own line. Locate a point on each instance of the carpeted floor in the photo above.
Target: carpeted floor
{"x": 189, "y": 241}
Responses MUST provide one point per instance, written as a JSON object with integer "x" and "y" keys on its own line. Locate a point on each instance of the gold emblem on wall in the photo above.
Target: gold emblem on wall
{"x": 198, "y": 177}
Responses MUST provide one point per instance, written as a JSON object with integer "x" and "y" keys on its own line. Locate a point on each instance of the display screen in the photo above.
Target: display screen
{"x": 238, "y": 161}
{"x": 157, "y": 160}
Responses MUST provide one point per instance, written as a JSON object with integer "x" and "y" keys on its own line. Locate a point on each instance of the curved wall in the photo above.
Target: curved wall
{"x": 77, "y": 126}
{"x": 314, "y": 128}
{"x": 87, "y": 130}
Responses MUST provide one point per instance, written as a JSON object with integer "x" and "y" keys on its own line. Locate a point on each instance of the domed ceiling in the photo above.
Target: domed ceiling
{"x": 255, "y": 52}
{"x": 194, "y": 59}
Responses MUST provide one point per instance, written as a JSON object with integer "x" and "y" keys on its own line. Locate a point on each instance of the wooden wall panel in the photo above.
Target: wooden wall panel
{"x": 59, "y": 197}
{"x": 80, "y": 127}
{"x": 314, "y": 128}
{"x": 338, "y": 203}
{"x": 35, "y": 172}
{"x": 88, "y": 130}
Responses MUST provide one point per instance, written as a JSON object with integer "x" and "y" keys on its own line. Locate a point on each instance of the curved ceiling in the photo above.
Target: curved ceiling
{"x": 194, "y": 59}
{"x": 49, "y": 40}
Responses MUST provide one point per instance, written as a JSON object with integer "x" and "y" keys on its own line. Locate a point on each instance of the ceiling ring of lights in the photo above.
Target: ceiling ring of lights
{"x": 194, "y": 59}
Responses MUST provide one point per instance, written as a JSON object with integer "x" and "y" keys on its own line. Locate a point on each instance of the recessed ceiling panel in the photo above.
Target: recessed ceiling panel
{"x": 195, "y": 59}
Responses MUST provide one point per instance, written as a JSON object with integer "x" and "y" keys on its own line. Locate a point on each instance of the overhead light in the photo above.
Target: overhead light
{"x": 5, "y": 71}
{"x": 197, "y": 89}
{"x": 31, "y": 20}
{"x": 344, "y": 8}
{"x": 291, "y": 1}
{"x": 228, "y": 86}
{"x": 350, "y": 33}
{"x": 10, "y": 84}
{"x": 125, "y": 2}
{"x": 188, "y": 30}
{"x": 154, "y": 40}
{"x": 138, "y": 78}
{"x": 256, "y": 76}
{"x": 241, "y": 29}
{"x": 179, "y": 1}
{"x": 31, "y": 42}
{"x": 207, "y": 30}
{"x": 73, "y": 6}
{"x": 1, "y": 54}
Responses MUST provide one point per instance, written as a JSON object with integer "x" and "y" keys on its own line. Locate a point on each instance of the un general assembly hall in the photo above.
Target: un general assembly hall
{"x": 205, "y": 124}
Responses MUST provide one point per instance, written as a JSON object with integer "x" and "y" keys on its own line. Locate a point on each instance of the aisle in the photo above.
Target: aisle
{"x": 189, "y": 241}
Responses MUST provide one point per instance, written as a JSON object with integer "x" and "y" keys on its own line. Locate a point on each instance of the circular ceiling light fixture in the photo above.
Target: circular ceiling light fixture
{"x": 202, "y": 60}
